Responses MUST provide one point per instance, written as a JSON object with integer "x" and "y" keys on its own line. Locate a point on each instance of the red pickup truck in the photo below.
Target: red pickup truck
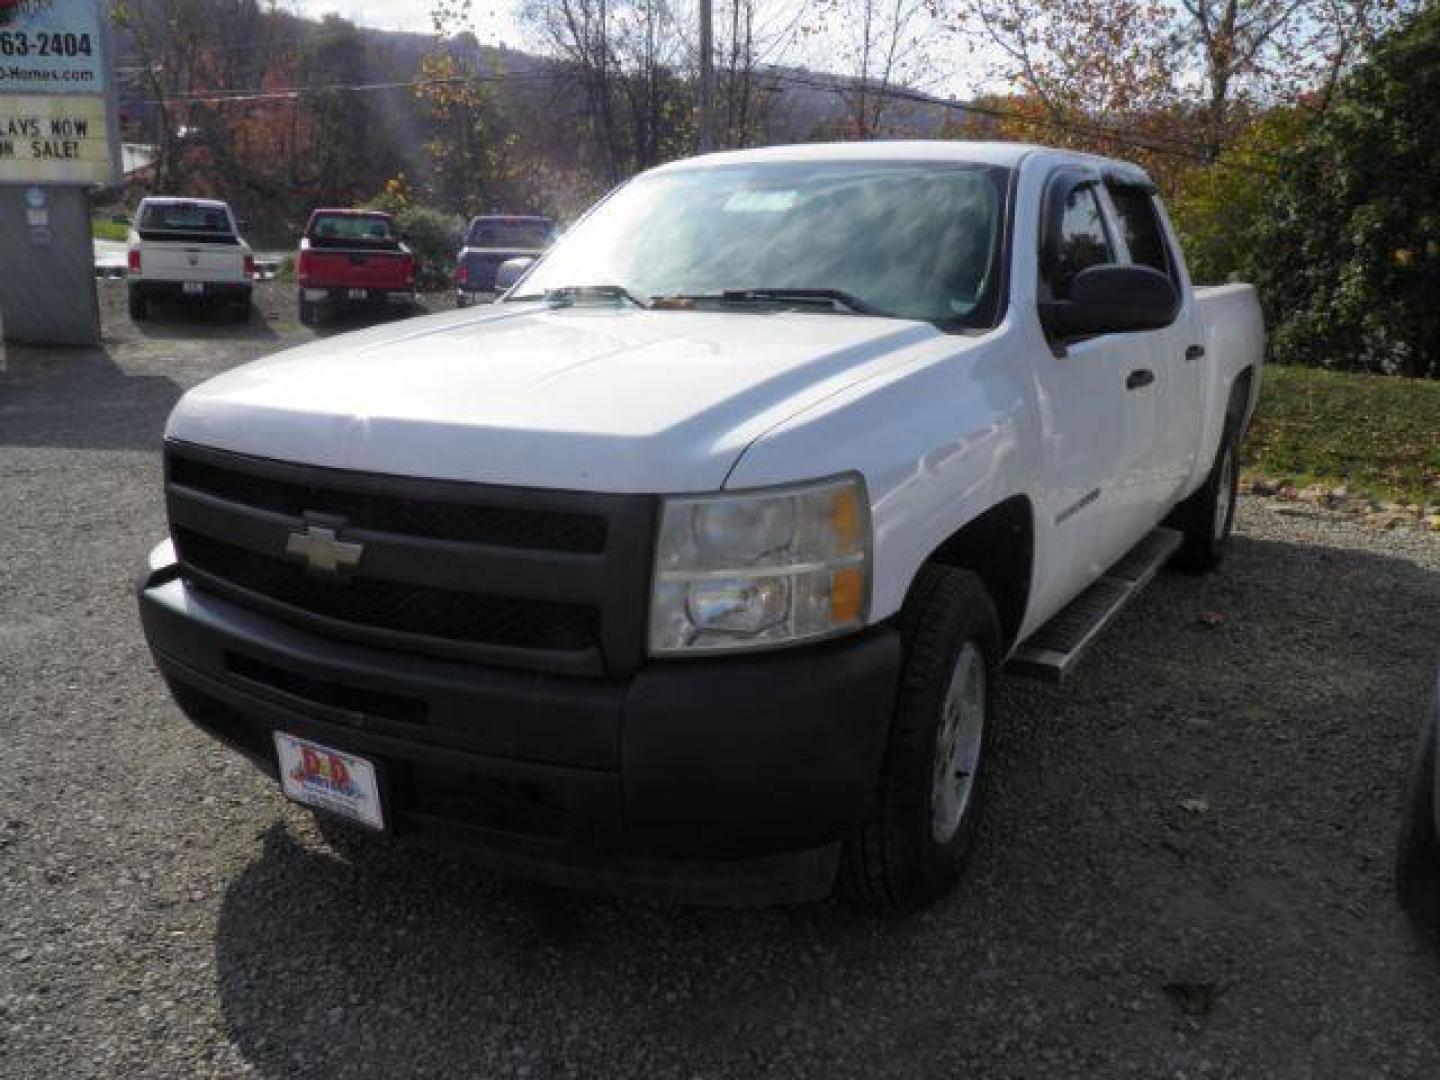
{"x": 349, "y": 258}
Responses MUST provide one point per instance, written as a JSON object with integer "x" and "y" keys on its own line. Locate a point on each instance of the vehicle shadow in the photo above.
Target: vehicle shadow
{"x": 1100, "y": 884}
{"x": 175, "y": 321}
{"x": 80, "y": 398}
{"x": 362, "y": 318}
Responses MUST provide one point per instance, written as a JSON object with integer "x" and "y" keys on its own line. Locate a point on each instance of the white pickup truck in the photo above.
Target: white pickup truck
{"x": 692, "y": 563}
{"x": 188, "y": 250}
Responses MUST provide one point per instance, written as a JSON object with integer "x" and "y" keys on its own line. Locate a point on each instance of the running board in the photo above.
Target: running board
{"x": 1052, "y": 651}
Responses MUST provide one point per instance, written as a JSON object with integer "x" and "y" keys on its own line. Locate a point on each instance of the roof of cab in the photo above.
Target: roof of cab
{"x": 1005, "y": 154}
{"x": 334, "y": 211}
{"x": 512, "y": 218}
{"x": 182, "y": 200}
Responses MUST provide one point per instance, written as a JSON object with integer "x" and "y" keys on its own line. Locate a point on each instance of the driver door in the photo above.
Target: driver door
{"x": 1088, "y": 417}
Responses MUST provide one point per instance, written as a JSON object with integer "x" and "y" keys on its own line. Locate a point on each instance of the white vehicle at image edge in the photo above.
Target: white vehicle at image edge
{"x": 188, "y": 250}
{"x": 690, "y": 565}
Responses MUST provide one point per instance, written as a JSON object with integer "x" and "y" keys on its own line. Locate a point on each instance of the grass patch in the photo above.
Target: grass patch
{"x": 1380, "y": 435}
{"x": 109, "y": 230}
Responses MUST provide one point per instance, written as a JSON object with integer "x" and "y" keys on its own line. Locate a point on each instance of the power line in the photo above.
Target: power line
{"x": 295, "y": 93}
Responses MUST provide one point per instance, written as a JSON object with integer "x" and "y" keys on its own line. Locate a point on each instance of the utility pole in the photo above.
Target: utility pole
{"x": 707, "y": 77}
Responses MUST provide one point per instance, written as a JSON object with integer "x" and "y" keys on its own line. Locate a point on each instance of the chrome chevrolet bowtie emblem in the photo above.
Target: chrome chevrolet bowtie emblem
{"x": 323, "y": 550}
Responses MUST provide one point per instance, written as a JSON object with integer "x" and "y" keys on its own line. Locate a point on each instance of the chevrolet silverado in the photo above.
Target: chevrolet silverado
{"x": 691, "y": 565}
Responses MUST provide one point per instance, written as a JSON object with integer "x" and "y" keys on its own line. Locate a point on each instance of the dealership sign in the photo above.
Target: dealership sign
{"x": 56, "y": 123}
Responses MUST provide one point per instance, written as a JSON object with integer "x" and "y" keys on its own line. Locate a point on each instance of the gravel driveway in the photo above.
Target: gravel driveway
{"x": 1185, "y": 871}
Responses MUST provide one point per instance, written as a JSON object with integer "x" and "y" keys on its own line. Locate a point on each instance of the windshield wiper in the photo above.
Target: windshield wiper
{"x": 834, "y": 298}
{"x": 570, "y": 295}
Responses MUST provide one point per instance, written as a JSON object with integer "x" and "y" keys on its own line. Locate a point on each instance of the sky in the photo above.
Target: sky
{"x": 495, "y": 19}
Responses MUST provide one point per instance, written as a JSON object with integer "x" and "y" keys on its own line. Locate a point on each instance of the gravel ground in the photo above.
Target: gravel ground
{"x": 1185, "y": 870}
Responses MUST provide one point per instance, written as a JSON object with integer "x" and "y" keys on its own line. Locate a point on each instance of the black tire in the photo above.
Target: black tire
{"x": 462, "y": 300}
{"x": 1417, "y": 863}
{"x": 1199, "y": 518}
{"x": 139, "y": 306}
{"x": 895, "y": 861}
{"x": 241, "y": 310}
{"x": 309, "y": 313}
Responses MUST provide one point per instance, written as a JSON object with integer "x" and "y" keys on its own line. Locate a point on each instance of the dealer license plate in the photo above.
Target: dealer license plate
{"x": 329, "y": 779}
{"x": 194, "y": 288}
{"x": 358, "y": 294}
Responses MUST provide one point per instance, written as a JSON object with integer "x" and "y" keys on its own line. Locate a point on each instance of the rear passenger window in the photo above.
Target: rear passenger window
{"x": 1143, "y": 234}
{"x": 1082, "y": 243}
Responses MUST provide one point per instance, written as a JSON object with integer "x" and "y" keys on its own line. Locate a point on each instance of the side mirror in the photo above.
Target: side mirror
{"x": 511, "y": 271}
{"x": 1112, "y": 299}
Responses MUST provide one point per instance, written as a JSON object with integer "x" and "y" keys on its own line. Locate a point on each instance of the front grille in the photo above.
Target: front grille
{"x": 440, "y": 520}
{"x": 539, "y": 579}
{"x": 342, "y": 696}
{"x": 406, "y": 609}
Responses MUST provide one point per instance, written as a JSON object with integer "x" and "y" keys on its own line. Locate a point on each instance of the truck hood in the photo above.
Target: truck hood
{"x": 595, "y": 399}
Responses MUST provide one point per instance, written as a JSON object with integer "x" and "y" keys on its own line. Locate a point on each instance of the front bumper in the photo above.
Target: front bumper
{"x": 724, "y": 779}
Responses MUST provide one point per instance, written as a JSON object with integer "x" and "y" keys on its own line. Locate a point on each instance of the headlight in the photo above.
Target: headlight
{"x": 762, "y": 568}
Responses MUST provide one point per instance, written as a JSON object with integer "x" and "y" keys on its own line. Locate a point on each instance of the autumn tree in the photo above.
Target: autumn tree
{"x": 1268, "y": 51}
{"x": 1202, "y": 67}
{"x": 467, "y": 145}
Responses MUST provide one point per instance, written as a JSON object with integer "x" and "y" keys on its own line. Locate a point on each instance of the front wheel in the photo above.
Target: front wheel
{"x": 914, "y": 840}
{"x": 1207, "y": 518}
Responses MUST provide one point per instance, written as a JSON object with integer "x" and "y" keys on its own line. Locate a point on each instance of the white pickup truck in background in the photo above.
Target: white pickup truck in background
{"x": 694, "y": 561}
{"x": 188, "y": 250}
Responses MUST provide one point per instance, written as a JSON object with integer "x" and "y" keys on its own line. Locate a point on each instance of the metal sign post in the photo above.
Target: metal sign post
{"x": 58, "y": 139}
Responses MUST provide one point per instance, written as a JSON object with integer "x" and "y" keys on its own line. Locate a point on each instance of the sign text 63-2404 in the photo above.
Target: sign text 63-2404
{"x": 57, "y": 43}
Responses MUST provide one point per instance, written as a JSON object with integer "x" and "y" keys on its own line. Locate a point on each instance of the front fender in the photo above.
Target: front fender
{"x": 939, "y": 440}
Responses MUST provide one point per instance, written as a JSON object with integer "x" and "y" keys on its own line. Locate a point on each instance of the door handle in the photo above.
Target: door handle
{"x": 1194, "y": 352}
{"x": 1139, "y": 378}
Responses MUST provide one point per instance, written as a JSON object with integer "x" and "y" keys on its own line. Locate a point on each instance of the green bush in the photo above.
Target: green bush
{"x": 1347, "y": 253}
{"x": 433, "y": 235}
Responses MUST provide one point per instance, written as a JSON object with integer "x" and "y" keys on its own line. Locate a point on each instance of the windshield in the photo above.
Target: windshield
{"x": 916, "y": 241}
{"x": 524, "y": 235}
{"x": 185, "y": 217}
{"x": 355, "y": 227}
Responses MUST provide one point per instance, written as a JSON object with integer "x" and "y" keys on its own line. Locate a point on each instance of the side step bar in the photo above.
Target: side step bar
{"x": 1052, "y": 651}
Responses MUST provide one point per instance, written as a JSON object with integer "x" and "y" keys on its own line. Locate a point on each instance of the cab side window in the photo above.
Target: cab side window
{"x": 1141, "y": 224}
{"x": 1082, "y": 242}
